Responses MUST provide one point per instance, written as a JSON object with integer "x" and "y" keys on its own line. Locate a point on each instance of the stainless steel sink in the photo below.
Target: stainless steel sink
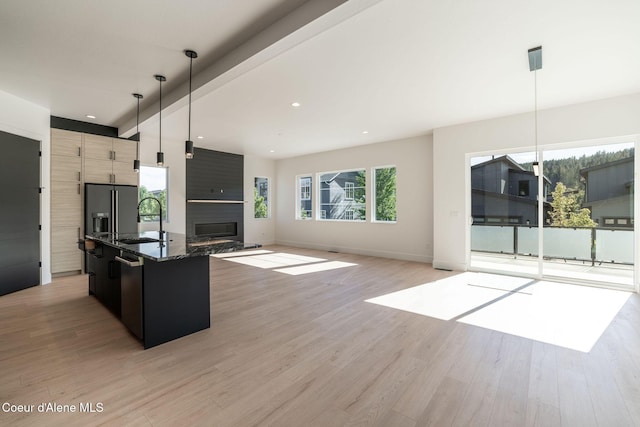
{"x": 137, "y": 240}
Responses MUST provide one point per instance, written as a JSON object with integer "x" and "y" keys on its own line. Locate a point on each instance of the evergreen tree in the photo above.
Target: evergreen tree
{"x": 565, "y": 209}
{"x": 259, "y": 206}
{"x": 386, "y": 194}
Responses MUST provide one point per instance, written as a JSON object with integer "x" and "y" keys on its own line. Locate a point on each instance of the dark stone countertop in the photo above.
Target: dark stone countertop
{"x": 173, "y": 245}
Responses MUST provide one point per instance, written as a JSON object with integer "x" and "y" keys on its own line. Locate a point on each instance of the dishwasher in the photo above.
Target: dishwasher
{"x": 131, "y": 293}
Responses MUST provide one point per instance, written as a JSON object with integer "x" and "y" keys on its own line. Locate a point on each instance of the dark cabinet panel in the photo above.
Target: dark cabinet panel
{"x": 104, "y": 277}
{"x": 214, "y": 175}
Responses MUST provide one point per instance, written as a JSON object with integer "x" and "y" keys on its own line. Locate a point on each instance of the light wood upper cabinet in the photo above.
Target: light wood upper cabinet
{"x": 65, "y": 168}
{"x": 98, "y": 147}
{"x": 66, "y": 143}
{"x": 124, "y": 151}
{"x": 98, "y": 171}
{"x": 109, "y": 160}
{"x": 124, "y": 174}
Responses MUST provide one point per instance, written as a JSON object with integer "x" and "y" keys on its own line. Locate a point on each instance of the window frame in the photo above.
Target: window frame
{"x": 374, "y": 198}
{"x": 318, "y": 192}
{"x": 268, "y": 198}
{"x": 299, "y": 199}
{"x": 165, "y": 210}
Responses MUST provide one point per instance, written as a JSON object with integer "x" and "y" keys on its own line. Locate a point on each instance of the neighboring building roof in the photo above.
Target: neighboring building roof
{"x": 512, "y": 163}
{"x": 585, "y": 171}
{"x": 501, "y": 159}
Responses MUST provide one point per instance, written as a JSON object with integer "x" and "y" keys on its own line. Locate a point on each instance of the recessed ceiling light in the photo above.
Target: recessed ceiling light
{"x": 295, "y": 104}
{"x": 272, "y": 151}
{"x": 364, "y": 132}
{"x": 200, "y": 137}
{"x": 90, "y": 116}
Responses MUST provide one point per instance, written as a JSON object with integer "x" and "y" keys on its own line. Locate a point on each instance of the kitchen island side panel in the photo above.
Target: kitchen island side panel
{"x": 176, "y": 299}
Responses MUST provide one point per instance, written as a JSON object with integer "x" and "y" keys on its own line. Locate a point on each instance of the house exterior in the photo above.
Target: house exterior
{"x": 609, "y": 193}
{"x": 503, "y": 192}
{"x": 342, "y": 196}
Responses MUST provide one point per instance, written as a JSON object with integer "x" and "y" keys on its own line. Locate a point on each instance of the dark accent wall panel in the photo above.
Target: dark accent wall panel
{"x": 84, "y": 127}
{"x": 214, "y": 175}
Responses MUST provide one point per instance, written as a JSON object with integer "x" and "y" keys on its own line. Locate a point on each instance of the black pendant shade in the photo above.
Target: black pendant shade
{"x": 188, "y": 149}
{"x": 160, "y": 155}
{"x": 136, "y": 162}
{"x": 188, "y": 144}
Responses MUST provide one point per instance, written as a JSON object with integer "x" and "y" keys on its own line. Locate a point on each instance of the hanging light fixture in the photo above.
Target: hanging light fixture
{"x": 160, "y": 155}
{"x": 535, "y": 64}
{"x": 136, "y": 162}
{"x": 188, "y": 144}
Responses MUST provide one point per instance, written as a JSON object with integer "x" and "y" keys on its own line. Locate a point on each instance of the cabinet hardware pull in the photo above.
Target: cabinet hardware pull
{"x": 114, "y": 155}
{"x": 78, "y": 175}
{"x": 79, "y": 151}
{"x": 130, "y": 263}
{"x": 78, "y": 188}
{"x": 78, "y": 232}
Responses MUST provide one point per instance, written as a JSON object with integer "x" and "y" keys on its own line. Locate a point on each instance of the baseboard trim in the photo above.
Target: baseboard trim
{"x": 404, "y": 256}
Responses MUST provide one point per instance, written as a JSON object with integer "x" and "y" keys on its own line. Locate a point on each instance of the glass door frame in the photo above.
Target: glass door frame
{"x": 635, "y": 139}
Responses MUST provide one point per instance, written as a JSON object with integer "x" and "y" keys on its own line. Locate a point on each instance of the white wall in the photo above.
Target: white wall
{"x": 259, "y": 230}
{"x": 24, "y": 118}
{"x": 607, "y": 118}
{"x": 175, "y": 161}
{"x": 410, "y": 238}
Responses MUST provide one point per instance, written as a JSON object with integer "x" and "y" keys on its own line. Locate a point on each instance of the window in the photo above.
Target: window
{"x": 385, "y": 194}
{"x": 342, "y": 195}
{"x": 349, "y": 190}
{"x": 304, "y": 198}
{"x": 261, "y": 197}
{"x": 153, "y": 183}
{"x": 523, "y": 188}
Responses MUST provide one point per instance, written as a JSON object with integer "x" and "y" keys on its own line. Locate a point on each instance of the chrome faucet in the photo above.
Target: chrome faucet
{"x": 159, "y": 206}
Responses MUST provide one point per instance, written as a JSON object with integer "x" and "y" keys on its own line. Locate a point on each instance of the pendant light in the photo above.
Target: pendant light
{"x": 188, "y": 144}
{"x": 535, "y": 64}
{"x": 160, "y": 155}
{"x": 136, "y": 162}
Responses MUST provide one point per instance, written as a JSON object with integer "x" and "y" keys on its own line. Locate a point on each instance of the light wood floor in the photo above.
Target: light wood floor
{"x": 307, "y": 351}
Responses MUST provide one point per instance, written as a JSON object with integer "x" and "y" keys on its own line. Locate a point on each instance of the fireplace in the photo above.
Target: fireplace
{"x": 217, "y": 229}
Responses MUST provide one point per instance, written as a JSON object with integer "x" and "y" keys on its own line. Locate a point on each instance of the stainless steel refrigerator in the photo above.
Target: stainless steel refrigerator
{"x": 110, "y": 208}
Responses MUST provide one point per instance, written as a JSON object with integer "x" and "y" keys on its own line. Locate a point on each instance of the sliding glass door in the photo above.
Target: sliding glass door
{"x": 589, "y": 233}
{"x": 504, "y": 208}
{"x": 575, "y": 221}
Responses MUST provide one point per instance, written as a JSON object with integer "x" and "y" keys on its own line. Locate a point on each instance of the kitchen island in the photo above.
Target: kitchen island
{"x": 157, "y": 285}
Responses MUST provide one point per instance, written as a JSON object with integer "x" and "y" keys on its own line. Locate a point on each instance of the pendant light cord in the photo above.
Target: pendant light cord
{"x": 535, "y": 103}
{"x": 160, "y": 142}
{"x": 190, "y": 74}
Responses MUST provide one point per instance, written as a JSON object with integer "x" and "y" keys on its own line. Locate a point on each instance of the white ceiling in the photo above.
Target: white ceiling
{"x": 394, "y": 68}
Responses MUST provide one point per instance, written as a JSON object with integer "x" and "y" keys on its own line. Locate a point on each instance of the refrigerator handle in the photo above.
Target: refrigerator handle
{"x": 114, "y": 206}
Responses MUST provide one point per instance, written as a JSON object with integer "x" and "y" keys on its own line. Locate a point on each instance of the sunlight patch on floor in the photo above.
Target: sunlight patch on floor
{"x": 241, "y": 253}
{"x": 314, "y": 268}
{"x": 275, "y": 260}
{"x": 451, "y": 297}
{"x": 569, "y": 316}
{"x": 281, "y": 262}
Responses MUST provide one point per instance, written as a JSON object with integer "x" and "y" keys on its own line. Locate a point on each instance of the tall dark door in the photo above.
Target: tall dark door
{"x": 19, "y": 213}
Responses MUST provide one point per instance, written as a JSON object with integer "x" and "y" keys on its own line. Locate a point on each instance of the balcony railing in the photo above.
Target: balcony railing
{"x": 595, "y": 245}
